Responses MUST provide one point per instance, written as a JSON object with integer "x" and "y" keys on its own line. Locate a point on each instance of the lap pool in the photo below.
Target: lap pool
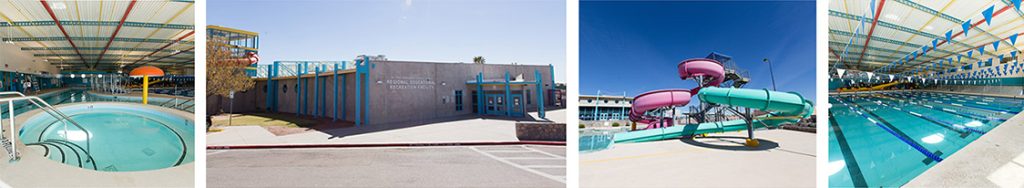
{"x": 889, "y": 138}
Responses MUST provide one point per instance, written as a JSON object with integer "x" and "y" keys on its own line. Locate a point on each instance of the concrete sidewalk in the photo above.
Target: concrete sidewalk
{"x": 784, "y": 159}
{"x": 455, "y": 130}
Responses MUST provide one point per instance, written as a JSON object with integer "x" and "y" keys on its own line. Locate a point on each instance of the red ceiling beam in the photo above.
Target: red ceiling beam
{"x": 162, "y": 48}
{"x": 61, "y": 26}
{"x": 878, "y": 13}
{"x": 123, "y": 18}
{"x": 1000, "y": 11}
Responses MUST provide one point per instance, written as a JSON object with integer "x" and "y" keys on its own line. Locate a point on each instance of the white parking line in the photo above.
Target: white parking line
{"x": 545, "y": 153}
{"x": 556, "y": 178}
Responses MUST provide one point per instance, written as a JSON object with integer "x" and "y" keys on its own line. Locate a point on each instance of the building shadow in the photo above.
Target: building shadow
{"x": 352, "y": 130}
{"x": 733, "y": 143}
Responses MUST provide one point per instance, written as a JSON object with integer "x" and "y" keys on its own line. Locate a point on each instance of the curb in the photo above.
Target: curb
{"x": 284, "y": 146}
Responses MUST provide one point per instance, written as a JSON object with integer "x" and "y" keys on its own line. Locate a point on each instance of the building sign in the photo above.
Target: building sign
{"x": 409, "y": 83}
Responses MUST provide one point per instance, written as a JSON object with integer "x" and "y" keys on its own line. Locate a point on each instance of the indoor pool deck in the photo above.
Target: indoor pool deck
{"x": 996, "y": 159}
{"x": 785, "y": 159}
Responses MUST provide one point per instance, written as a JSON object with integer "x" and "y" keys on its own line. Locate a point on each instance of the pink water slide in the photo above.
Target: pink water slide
{"x": 703, "y": 70}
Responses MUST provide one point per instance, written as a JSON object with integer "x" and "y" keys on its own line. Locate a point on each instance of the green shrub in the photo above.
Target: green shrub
{"x": 616, "y": 124}
{"x": 582, "y": 126}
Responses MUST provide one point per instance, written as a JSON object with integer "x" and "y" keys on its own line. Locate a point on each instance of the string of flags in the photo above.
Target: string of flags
{"x": 982, "y": 69}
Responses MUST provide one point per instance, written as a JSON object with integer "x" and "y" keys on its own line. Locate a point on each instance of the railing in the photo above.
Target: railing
{"x": 46, "y": 107}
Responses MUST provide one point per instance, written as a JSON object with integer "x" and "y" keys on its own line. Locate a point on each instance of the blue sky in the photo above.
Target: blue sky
{"x": 634, "y": 47}
{"x": 503, "y": 31}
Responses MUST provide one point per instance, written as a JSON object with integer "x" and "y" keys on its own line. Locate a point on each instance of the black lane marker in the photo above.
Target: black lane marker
{"x": 851, "y": 161}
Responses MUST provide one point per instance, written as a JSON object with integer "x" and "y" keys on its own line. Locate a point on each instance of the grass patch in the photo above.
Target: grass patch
{"x": 264, "y": 119}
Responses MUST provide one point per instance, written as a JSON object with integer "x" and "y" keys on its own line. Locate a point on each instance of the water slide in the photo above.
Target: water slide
{"x": 872, "y": 88}
{"x": 784, "y": 106}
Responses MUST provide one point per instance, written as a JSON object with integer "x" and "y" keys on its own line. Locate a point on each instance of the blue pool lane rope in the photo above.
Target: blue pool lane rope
{"x": 913, "y": 144}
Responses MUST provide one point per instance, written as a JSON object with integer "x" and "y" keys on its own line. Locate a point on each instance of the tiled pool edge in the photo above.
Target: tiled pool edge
{"x": 975, "y": 165}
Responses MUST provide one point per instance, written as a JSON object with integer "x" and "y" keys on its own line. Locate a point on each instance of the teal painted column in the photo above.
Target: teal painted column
{"x": 366, "y": 104}
{"x": 344, "y": 92}
{"x": 276, "y": 72}
{"x": 540, "y": 94}
{"x": 298, "y": 89}
{"x": 480, "y": 94}
{"x": 335, "y": 92}
{"x": 508, "y": 94}
{"x": 305, "y": 99}
{"x": 270, "y": 78}
{"x": 316, "y": 90}
{"x": 359, "y": 98}
{"x": 323, "y": 93}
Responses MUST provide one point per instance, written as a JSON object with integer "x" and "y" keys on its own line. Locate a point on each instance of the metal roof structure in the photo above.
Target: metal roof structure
{"x": 102, "y": 35}
{"x": 860, "y": 41}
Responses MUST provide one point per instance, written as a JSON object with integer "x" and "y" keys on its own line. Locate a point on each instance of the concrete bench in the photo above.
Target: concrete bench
{"x": 542, "y": 131}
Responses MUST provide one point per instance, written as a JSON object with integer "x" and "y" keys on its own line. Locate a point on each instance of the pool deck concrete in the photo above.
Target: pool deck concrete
{"x": 456, "y": 130}
{"x": 994, "y": 160}
{"x": 446, "y": 166}
{"x": 784, "y": 159}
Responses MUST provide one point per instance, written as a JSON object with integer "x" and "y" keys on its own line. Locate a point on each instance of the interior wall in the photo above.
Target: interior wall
{"x": 13, "y": 59}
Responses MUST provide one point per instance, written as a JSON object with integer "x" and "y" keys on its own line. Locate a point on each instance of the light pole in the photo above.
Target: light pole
{"x": 772, "y": 72}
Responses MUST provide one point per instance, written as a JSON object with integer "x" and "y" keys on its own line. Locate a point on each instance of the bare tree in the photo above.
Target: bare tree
{"x": 224, "y": 71}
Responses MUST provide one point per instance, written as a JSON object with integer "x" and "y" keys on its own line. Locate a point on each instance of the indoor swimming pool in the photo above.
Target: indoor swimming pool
{"x": 81, "y": 95}
{"x": 116, "y": 136}
{"x": 889, "y": 138}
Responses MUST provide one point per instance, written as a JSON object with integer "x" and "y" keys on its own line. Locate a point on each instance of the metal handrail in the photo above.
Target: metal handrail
{"x": 49, "y": 109}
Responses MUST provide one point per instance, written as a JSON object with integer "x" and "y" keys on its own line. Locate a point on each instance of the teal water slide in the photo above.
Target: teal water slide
{"x": 784, "y": 107}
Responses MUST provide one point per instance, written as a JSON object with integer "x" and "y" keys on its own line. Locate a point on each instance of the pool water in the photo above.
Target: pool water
{"x": 889, "y": 138}
{"x": 122, "y": 136}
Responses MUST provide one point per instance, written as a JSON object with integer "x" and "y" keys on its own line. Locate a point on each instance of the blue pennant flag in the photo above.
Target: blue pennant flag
{"x": 915, "y": 54}
{"x": 935, "y": 43}
{"x": 988, "y": 14}
{"x": 1013, "y": 54}
{"x": 969, "y": 53}
{"x": 958, "y": 56}
{"x": 989, "y": 61}
{"x": 995, "y": 46}
{"x": 966, "y": 26}
{"x": 949, "y": 35}
{"x": 1016, "y": 4}
{"x": 1000, "y": 58}
{"x": 981, "y": 50}
{"x": 950, "y": 61}
{"x": 924, "y": 50}
{"x": 1013, "y": 39}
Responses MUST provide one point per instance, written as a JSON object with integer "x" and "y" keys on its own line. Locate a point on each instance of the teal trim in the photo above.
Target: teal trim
{"x": 508, "y": 95}
{"x": 323, "y": 93}
{"x": 118, "y": 39}
{"x": 99, "y": 23}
